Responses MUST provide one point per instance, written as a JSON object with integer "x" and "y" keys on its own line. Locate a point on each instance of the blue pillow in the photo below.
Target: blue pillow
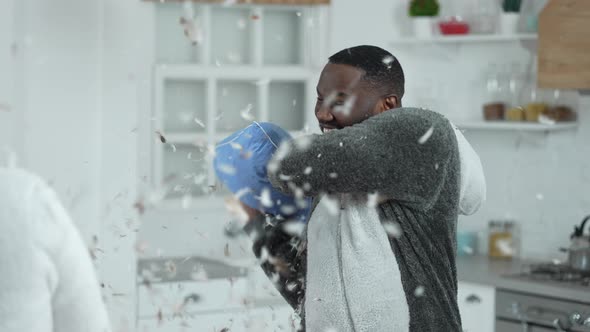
{"x": 241, "y": 162}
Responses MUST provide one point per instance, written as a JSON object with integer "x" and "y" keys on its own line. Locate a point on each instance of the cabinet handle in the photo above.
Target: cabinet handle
{"x": 472, "y": 298}
{"x": 193, "y": 297}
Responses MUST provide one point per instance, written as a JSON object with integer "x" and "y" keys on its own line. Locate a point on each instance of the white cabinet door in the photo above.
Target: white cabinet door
{"x": 254, "y": 320}
{"x": 193, "y": 297}
{"x": 477, "y": 307}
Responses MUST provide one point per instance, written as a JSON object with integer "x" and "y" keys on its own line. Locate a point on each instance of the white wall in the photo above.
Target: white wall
{"x": 539, "y": 180}
{"x": 7, "y": 69}
{"x": 80, "y": 73}
{"x": 60, "y": 102}
{"x": 127, "y": 53}
{"x": 519, "y": 167}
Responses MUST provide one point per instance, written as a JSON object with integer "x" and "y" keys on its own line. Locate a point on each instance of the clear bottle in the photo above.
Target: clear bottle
{"x": 495, "y": 94}
{"x": 535, "y": 99}
{"x": 515, "y": 84}
{"x": 515, "y": 111}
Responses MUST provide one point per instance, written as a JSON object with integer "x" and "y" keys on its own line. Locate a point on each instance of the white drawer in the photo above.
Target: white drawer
{"x": 477, "y": 306}
{"x": 256, "y": 320}
{"x": 212, "y": 295}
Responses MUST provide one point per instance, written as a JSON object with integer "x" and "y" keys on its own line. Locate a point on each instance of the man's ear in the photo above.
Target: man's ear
{"x": 388, "y": 102}
{"x": 392, "y": 101}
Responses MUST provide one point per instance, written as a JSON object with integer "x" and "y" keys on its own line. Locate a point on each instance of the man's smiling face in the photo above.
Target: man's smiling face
{"x": 344, "y": 98}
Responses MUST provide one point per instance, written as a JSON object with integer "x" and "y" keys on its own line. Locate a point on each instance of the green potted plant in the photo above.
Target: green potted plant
{"x": 510, "y": 16}
{"x": 422, "y": 13}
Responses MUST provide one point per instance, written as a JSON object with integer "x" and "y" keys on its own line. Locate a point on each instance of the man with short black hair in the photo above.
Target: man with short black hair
{"x": 380, "y": 245}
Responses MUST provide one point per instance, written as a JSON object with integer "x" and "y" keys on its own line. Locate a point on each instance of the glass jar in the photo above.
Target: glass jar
{"x": 535, "y": 105}
{"x": 515, "y": 111}
{"x": 562, "y": 106}
{"x": 482, "y": 16}
{"x": 495, "y": 94}
{"x": 502, "y": 239}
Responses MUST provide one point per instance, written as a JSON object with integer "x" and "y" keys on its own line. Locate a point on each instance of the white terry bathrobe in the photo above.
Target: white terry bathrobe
{"x": 48, "y": 282}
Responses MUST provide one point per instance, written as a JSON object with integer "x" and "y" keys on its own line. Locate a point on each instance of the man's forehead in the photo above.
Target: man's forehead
{"x": 340, "y": 78}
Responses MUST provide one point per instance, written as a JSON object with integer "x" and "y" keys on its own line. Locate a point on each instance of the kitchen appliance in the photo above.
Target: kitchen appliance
{"x": 524, "y": 312}
{"x": 579, "y": 250}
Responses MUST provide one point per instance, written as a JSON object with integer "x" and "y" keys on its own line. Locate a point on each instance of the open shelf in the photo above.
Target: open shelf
{"x": 231, "y": 31}
{"x": 466, "y": 39}
{"x": 286, "y": 103}
{"x": 282, "y": 38}
{"x": 516, "y": 126}
{"x": 184, "y": 101}
{"x": 250, "y": 62}
{"x": 172, "y": 46}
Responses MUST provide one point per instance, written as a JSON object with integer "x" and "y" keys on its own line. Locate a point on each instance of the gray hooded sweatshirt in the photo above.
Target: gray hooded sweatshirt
{"x": 410, "y": 157}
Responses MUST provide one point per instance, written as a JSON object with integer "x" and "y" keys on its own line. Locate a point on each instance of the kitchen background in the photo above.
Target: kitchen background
{"x": 89, "y": 90}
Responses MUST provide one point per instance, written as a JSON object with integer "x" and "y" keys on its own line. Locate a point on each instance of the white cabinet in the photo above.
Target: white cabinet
{"x": 240, "y": 304}
{"x": 477, "y": 307}
{"x": 252, "y": 63}
{"x": 192, "y": 297}
{"x": 264, "y": 319}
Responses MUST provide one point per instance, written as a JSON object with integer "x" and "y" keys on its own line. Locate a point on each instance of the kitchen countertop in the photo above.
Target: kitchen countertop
{"x": 177, "y": 269}
{"x": 160, "y": 271}
{"x": 477, "y": 269}
{"x": 503, "y": 275}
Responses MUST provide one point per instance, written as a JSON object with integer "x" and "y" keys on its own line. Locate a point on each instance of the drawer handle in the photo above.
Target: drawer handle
{"x": 473, "y": 299}
{"x": 192, "y": 297}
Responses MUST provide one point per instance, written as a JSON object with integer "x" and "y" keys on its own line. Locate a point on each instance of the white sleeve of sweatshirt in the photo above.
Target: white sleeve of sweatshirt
{"x": 48, "y": 282}
{"x": 473, "y": 182}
